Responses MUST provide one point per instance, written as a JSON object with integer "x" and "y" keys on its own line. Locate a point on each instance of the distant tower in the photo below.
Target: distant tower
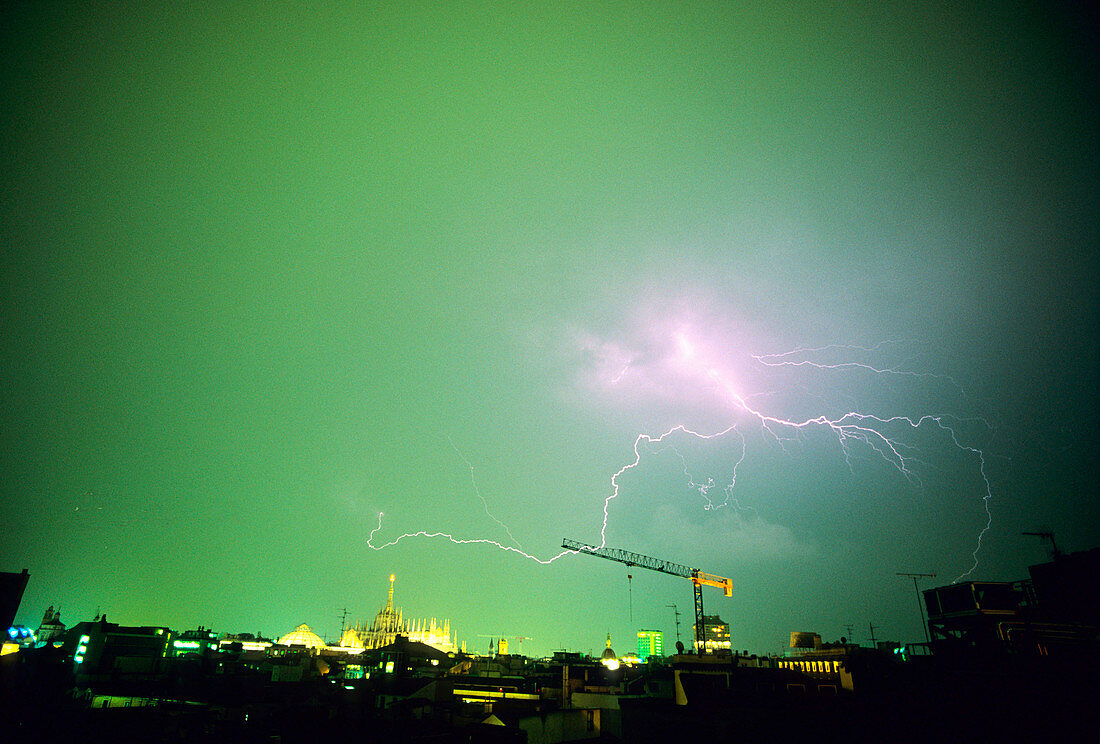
{"x": 390, "y": 622}
{"x": 51, "y": 626}
{"x": 650, "y": 643}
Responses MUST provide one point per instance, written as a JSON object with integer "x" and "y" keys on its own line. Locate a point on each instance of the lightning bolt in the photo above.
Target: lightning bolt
{"x": 484, "y": 503}
{"x": 853, "y": 431}
{"x": 619, "y": 377}
{"x": 704, "y": 488}
{"x": 867, "y": 429}
{"x": 791, "y": 359}
{"x": 457, "y": 541}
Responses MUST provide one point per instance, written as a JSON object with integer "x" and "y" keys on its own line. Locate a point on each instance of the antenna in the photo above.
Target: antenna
{"x": 343, "y": 619}
{"x": 874, "y": 643}
{"x": 920, "y": 605}
{"x": 676, "y": 614}
{"x": 1047, "y": 536}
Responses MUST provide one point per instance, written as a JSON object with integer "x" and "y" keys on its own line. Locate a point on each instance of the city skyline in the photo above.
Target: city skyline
{"x": 296, "y": 299}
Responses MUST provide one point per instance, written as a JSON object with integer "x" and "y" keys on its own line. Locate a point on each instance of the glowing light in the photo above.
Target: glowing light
{"x": 245, "y": 645}
{"x": 684, "y": 346}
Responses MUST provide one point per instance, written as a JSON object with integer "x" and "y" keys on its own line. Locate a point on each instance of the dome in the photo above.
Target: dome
{"x": 303, "y": 635}
{"x": 609, "y": 658}
{"x": 609, "y": 653}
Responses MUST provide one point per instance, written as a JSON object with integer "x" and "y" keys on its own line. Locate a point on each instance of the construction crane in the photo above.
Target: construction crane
{"x": 698, "y": 578}
{"x": 501, "y": 638}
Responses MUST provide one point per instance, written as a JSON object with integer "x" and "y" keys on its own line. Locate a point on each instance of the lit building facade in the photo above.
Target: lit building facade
{"x": 390, "y": 623}
{"x": 247, "y": 642}
{"x": 716, "y": 635}
{"x": 201, "y": 641}
{"x": 650, "y": 643}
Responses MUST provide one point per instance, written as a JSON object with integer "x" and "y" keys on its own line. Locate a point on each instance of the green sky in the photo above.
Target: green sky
{"x": 270, "y": 271}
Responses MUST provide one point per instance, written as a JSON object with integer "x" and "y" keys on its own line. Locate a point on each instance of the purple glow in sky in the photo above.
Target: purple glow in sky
{"x": 686, "y": 366}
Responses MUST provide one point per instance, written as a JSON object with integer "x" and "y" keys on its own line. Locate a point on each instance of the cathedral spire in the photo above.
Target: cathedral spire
{"x": 389, "y": 599}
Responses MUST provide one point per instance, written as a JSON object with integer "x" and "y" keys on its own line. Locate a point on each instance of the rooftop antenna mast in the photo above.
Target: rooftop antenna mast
{"x": 920, "y": 604}
{"x": 676, "y": 614}
{"x": 1047, "y": 536}
{"x": 343, "y": 620}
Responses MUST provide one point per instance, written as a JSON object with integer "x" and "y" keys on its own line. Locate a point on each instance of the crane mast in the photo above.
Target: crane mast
{"x": 699, "y": 579}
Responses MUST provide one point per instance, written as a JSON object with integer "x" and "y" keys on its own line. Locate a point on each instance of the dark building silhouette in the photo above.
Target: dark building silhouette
{"x": 12, "y": 586}
{"x": 1067, "y": 589}
{"x": 1055, "y": 612}
{"x": 102, "y": 650}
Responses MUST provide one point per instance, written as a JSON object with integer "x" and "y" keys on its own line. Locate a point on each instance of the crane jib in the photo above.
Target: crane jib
{"x": 698, "y": 578}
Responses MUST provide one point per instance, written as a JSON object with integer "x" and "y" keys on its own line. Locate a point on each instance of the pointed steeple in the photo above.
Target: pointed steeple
{"x": 389, "y": 599}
